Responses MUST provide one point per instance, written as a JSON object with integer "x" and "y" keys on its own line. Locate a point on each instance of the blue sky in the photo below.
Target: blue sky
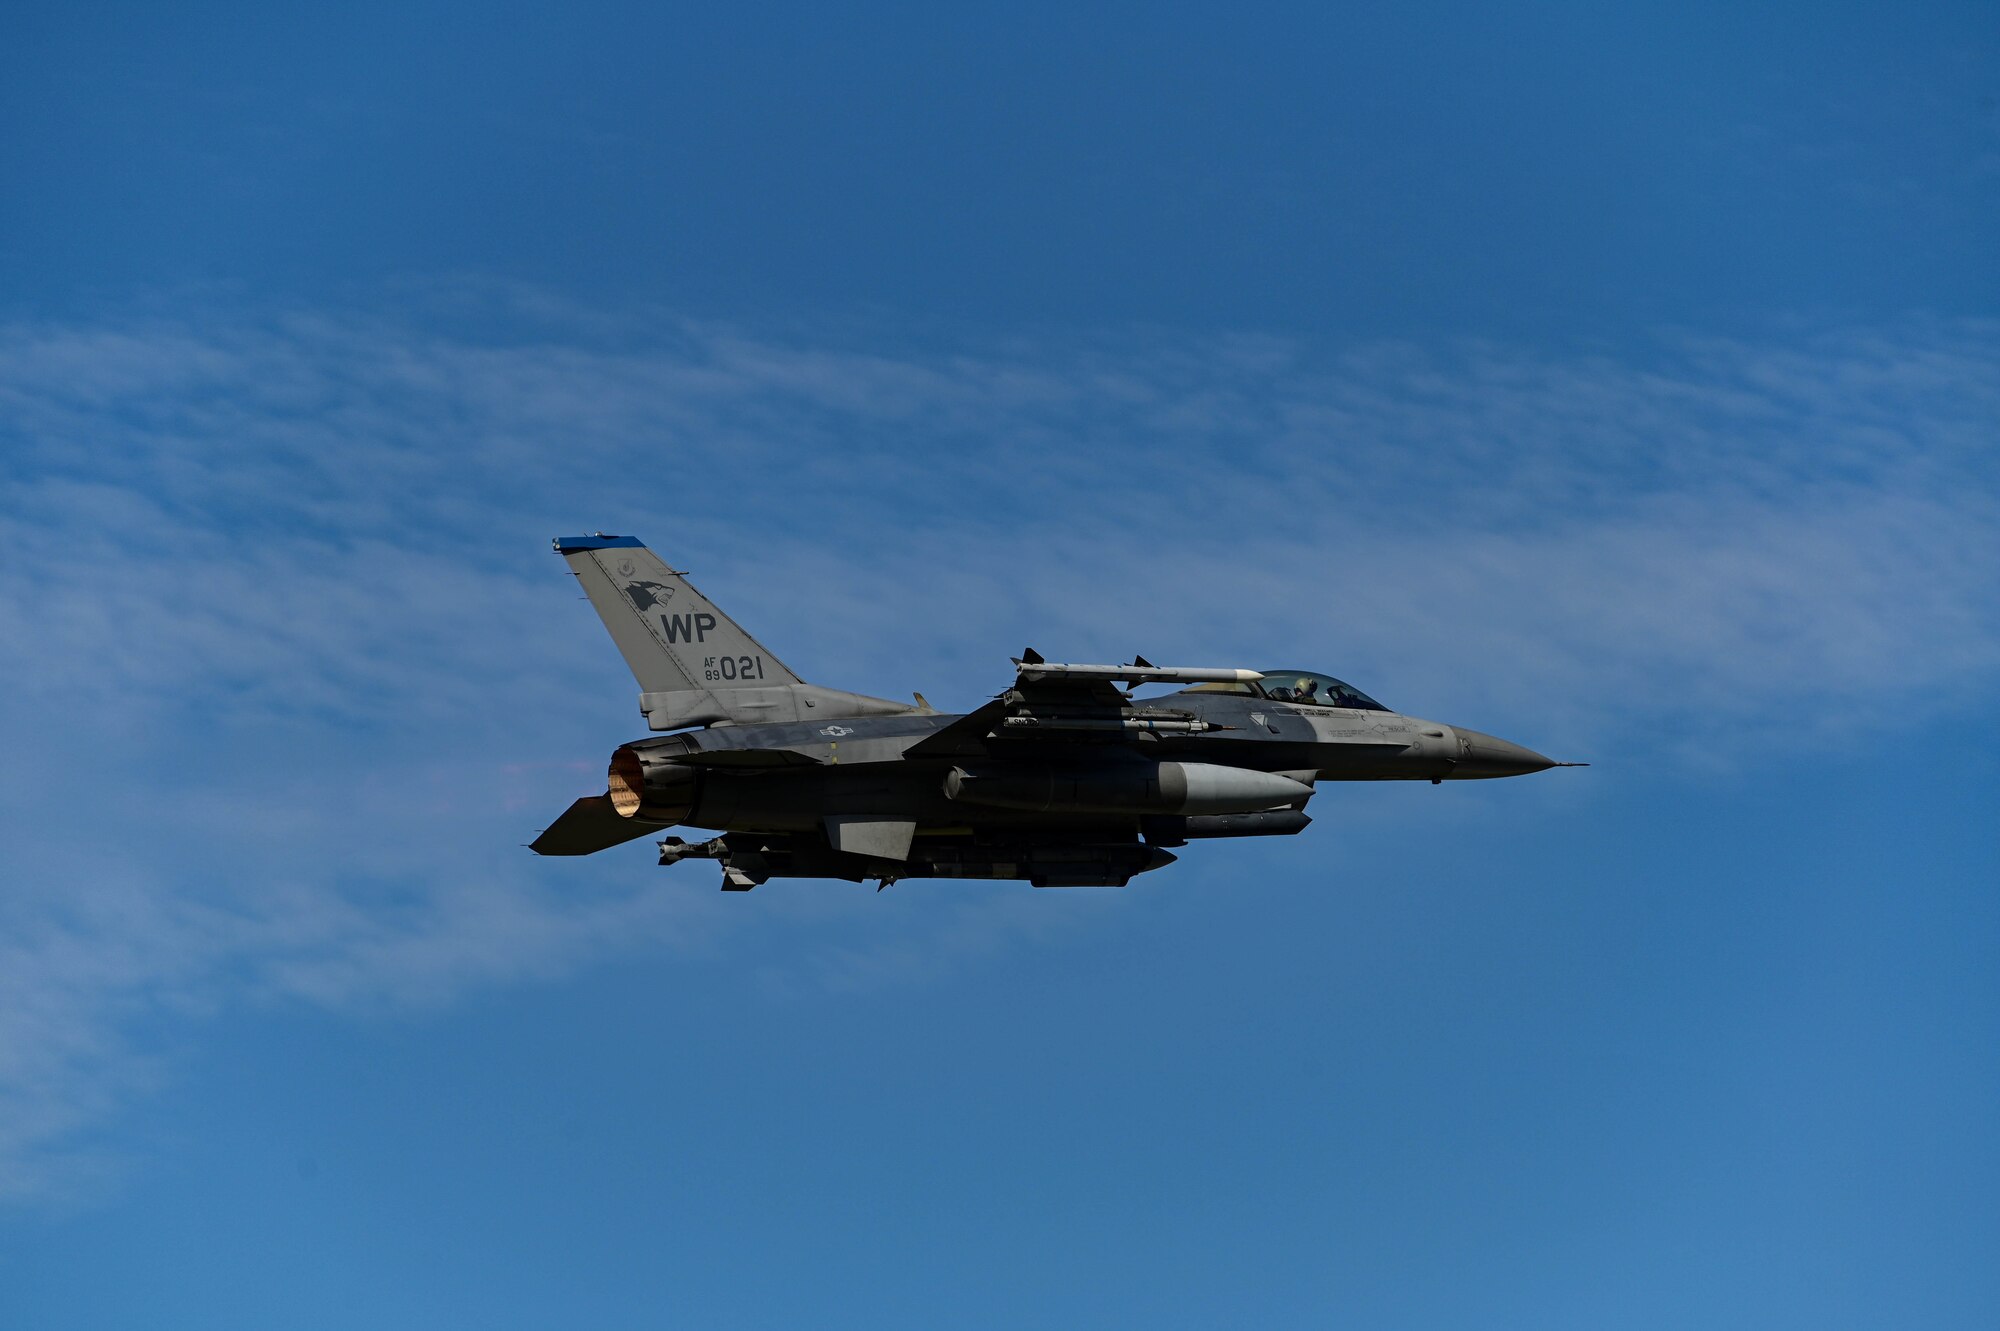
{"x": 1624, "y": 385}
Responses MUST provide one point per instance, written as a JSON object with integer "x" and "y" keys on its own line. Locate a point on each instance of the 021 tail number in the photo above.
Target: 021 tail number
{"x": 732, "y": 668}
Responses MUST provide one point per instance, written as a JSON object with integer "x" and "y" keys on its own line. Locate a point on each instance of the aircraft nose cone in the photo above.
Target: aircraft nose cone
{"x": 1486, "y": 755}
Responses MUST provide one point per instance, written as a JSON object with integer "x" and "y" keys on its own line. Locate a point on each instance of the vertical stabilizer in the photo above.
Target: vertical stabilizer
{"x": 671, "y": 635}
{"x": 695, "y": 665}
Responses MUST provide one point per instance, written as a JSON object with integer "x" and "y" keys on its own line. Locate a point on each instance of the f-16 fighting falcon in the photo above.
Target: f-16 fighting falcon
{"x": 1065, "y": 779}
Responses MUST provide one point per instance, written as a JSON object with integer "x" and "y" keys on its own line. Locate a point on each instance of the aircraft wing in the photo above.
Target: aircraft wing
{"x": 1070, "y": 703}
{"x": 967, "y": 736}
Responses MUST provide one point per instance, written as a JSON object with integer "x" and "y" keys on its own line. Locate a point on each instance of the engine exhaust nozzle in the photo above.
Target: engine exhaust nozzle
{"x": 650, "y": 786}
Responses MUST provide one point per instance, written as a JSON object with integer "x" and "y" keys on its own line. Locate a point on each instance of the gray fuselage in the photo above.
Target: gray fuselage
{"x": 790, "y": 776}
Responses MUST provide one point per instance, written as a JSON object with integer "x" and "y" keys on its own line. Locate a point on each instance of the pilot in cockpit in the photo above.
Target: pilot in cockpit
{"x": 1304, "y": 689}
{"x": 1310, "y": 688}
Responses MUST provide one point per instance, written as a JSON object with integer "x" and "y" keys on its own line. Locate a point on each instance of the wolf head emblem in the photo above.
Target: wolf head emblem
{"x": 645, "y": 595}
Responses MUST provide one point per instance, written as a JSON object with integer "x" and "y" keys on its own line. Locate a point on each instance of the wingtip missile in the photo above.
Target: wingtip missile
{"x": 1137, "y": 674}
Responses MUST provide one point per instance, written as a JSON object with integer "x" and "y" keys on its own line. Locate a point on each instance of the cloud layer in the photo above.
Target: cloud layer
{"x": 293, "y": 673}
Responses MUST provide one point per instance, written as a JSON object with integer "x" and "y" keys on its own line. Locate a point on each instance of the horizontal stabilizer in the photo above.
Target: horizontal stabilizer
{"x": 588, "y": 826}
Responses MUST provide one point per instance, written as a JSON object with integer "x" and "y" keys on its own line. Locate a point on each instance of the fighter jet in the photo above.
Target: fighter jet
{"x": 1066, "y": 779}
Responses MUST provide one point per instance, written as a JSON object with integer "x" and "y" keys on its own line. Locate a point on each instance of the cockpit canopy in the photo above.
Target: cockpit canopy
{"x": 1300, "y": 686}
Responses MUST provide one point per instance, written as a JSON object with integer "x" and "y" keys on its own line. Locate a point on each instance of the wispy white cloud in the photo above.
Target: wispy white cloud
{"x": 294, "y": 672}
